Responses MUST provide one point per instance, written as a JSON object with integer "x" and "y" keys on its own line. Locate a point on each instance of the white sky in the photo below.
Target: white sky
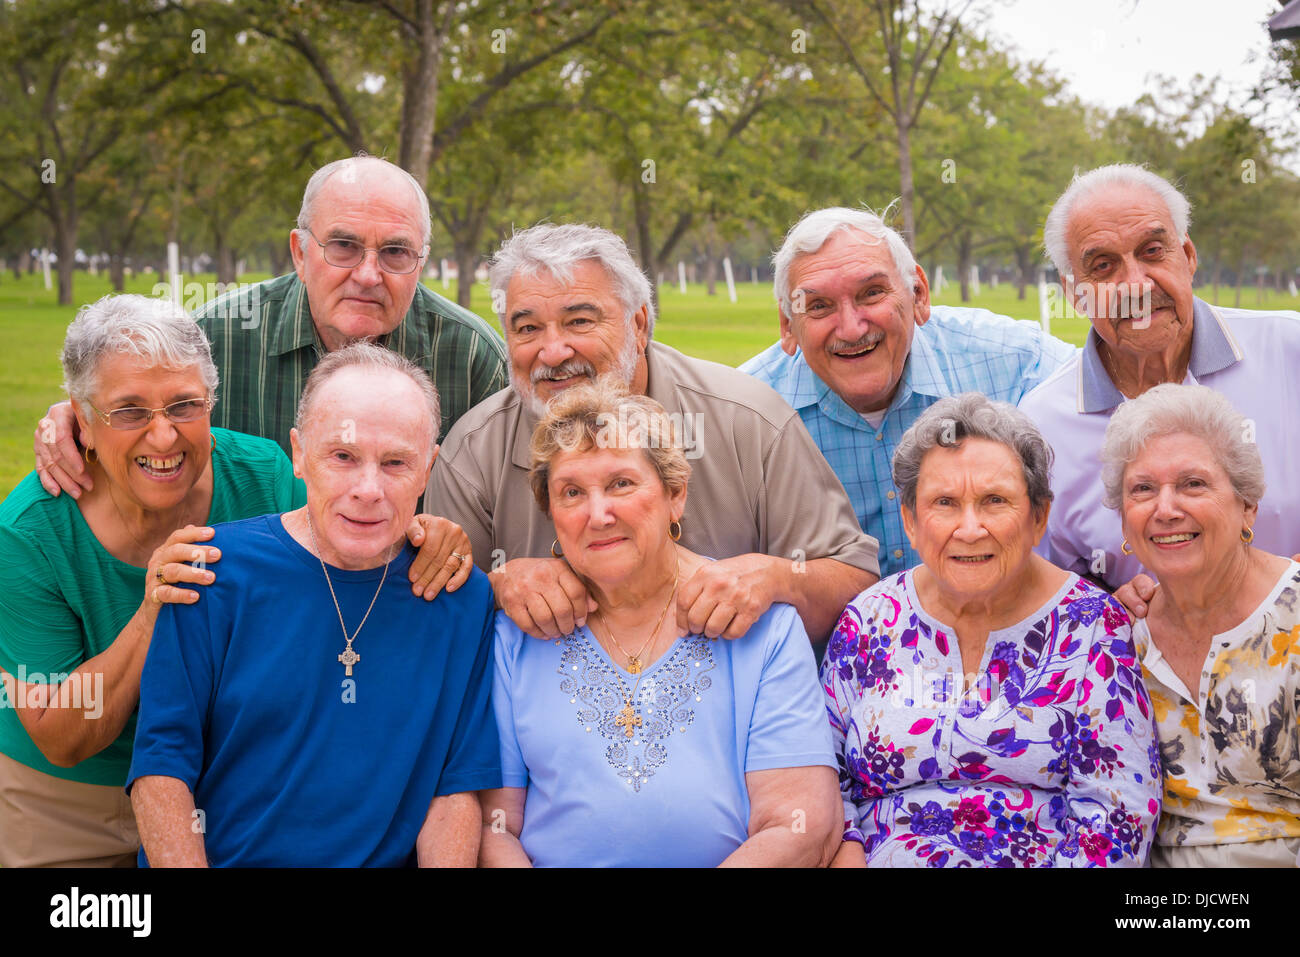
{"x": 1107, "y": 49}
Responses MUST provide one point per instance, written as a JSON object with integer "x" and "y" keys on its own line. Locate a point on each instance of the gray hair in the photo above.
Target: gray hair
{"x": 361, "y": 165}
{"x": 1103, "y": 177}
{"x": 367, "y": 355}
{"x": 156, "y": 330}
{"x": 813, "y": 231}
{"x": 973, "y": 415}
{"x": 1173, "y": 409}
{"x": 557, "y": 249}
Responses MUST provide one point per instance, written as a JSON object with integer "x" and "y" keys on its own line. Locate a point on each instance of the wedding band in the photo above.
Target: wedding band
{"x": 459, "y": 557}
{"x": 159, "y": 575}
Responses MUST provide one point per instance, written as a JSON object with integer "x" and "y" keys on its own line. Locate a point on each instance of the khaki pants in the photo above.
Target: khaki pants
{"x": 49, "y": 822}
{"x": 1279, "y": 852}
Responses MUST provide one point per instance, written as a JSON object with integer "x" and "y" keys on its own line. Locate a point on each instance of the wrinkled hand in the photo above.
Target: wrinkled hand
{"x": 542, "y": 596}
{"x": 723, "y": 599}
{"x": 180, "y": 559}
{"x": 1135, "y": 594}
{"x": 444, "y": 559}
{"x": 58, "y": 460}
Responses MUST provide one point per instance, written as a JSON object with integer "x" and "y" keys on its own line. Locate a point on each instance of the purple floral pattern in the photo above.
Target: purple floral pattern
{"x": 1044, "y": 757}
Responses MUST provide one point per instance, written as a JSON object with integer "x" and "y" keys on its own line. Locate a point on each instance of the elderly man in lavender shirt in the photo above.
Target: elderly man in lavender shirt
{"x": 1119, "y": 237}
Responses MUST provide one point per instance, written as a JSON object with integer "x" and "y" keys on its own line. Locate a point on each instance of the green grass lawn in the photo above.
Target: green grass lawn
{"x": 32, "y": 326}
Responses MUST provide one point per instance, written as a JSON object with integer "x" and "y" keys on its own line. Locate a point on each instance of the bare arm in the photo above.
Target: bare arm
{"x": 450, "y": 835}
{"x": 170, "y": 830}
{"x": 107, "y": 686}
{"x": 58, "y": 459}
{"x": 725, "y": 598}
{"x": 503, "y": 820}
{"x": 794, "y": 819}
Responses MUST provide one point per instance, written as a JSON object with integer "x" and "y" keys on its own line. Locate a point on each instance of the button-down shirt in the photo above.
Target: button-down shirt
{"x": 757, "y": 483}
{"x": 1250, "y": 357}
{"x": 957, "y": 350}
{"x": 265, "y": 345}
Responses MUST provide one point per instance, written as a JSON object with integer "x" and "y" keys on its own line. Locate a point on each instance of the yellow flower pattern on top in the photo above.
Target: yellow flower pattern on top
{"x": 1231, "y": 759}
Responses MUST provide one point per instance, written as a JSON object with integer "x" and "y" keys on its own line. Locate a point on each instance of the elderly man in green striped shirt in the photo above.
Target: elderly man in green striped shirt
{"x": 362, "y": 238}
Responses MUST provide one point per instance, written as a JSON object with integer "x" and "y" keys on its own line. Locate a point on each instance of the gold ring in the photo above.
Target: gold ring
{"x": 159, "y": 575}
{"x": 459, "y": 557}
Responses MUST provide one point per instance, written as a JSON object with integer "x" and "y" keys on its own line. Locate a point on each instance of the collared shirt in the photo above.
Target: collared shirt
{"x": 265, "y": 345}
{"x": 957, "y": 350}
{"x": 1230, "y": 746}
{"x": 1250, "y": 357}
{"x": 757, "y": 483}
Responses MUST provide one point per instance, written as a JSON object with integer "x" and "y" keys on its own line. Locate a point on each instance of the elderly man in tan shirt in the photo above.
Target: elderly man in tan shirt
{"x": 763, "y": 500}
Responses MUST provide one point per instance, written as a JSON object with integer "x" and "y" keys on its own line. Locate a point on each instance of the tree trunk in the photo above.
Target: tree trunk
{"x": 117, "y": 271}
{"x": 1241, "y": 272}
{"x": 420, "y": 95}
{"x": 1025, "y": 264}
{"x": 1218, "y": 269}
{"x": 466, "y": 263}
{"x": 226, "y": 264}
{"x": 65, "y": 243}
{"x": 279, "y": 253}
{"x": 963, "y": 264}
{"x": 905, "y": 181}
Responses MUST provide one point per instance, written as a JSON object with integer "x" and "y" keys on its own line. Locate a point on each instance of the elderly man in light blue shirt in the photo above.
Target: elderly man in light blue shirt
{"x": 1119, "y": 237}
{"x": 863, "y": 353}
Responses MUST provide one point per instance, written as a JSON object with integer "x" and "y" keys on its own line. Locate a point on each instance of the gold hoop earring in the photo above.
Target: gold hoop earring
{"x": 214, "y": 441}
{"x": 1247, "y": 535}
{"x": 678, "y": 534}
{"x": 555, "y": 549}
{"x": 1126, "y": 548}
{"x": 85, "y": 454}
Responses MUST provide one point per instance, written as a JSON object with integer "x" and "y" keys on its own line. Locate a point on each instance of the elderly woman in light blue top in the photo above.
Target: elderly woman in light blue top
{"x": 624, "y": 743}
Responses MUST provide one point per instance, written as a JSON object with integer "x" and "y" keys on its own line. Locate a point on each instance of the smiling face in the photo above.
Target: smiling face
{"x": 365, "y": 456}
{"x": 374, "y": 207}
{"x": 857, "y": 318}
{"x": 973, "y": 526}
{"x": 562, "y": 333}
{"x": 1123, "y": 248}
{"x": 1180, "y": 513}
{"x": 611, "y": 512}
{"x": 156, "y": 466}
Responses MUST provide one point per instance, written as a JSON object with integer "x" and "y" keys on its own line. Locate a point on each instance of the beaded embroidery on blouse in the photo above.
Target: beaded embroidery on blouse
{"x": 665, "y": 700}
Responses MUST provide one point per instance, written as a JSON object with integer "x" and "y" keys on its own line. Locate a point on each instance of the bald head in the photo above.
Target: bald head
{"x": 366, "y": 170}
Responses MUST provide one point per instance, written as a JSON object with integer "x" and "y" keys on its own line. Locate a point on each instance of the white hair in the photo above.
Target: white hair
{"x": 1104, "y": 177}
{"x": 360, "y": 165}
{"x": 156, "y": 330}
{"x": 557, "y": 249}
{"x": 813, "y": 231}
{"x": 1176, "y": 409}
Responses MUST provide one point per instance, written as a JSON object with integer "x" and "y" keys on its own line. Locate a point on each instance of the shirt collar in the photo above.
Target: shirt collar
{"x": 1214, "y": 348}
{"x": 296, "y": 330}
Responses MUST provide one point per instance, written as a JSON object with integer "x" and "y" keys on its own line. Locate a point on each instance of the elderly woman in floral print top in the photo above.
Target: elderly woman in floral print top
{"x": 987, "y": 706}
{"x": 1220, "y": 645}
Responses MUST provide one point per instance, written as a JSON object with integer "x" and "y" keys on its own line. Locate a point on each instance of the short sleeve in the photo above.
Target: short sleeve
{"x": 39, "y": 631}
{"x": 514, "y": 773}
{"x": 807, "y": 512}
{"x": 788, "y": 726}
{"x": 452, "y": 495}
{"x": 175, "y": 694}
{"x": 472, "y": 759}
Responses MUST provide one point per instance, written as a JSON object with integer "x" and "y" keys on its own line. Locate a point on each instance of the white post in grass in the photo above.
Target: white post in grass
{"x": 442, "y": 271}
{"x": 681, "y": 275}
{"x": 1290, "y": 287}
{"x": 753, "y": 275}
{"x": 45, "y": 266}
{"x": 975, "y": 280}
{"x": 174, "y": 271}
{"x": 731, "y": 279}
{"x": 938, "y": 278}
{"x": 1044, "y": 309}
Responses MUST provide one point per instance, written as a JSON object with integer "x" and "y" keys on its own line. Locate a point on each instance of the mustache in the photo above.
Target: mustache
{"x": 568, "y": 367}
{"x": 874, "y": 337}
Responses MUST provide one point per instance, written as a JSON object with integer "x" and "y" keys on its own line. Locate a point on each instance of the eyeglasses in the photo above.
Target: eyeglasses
{"x": 133, "y": 417}
{"x": 348, "y": 253}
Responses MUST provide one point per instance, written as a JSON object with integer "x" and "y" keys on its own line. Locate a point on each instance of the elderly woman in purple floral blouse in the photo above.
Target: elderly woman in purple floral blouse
{"x": 987, "y": 706}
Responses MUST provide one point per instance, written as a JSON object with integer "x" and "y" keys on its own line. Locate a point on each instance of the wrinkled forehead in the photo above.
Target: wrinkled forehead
{"x": 366, "y": 195}
{"x": 847, "y": 254}
{"x": 374, "y": 402}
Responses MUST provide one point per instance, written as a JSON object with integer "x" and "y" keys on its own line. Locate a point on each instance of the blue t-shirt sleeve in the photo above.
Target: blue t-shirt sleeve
{"x": 514, "y": 773}
{"x": 788, "y": 728}
{"x": 175, "y": 693}
{"x": 473, "y": 761}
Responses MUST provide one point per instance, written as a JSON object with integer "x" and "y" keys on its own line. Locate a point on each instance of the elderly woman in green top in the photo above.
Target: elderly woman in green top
{"x": 81, "y": 580}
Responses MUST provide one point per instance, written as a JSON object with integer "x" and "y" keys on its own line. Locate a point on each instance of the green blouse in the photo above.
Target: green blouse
{"x": 64, "y": 599}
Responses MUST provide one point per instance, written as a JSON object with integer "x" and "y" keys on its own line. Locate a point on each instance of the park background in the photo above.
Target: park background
{"x": 698, "y": 130}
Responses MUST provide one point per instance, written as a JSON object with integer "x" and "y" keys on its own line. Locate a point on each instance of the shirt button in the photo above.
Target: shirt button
{"x": 898, "y": 553}
{"x": 889, "y": 494}
{"x": 879, "y": 436}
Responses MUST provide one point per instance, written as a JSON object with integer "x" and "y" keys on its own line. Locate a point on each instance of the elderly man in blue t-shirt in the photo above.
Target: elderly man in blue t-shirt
{"x": 308, "y": 710}
{"x": 863, "y": 353}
